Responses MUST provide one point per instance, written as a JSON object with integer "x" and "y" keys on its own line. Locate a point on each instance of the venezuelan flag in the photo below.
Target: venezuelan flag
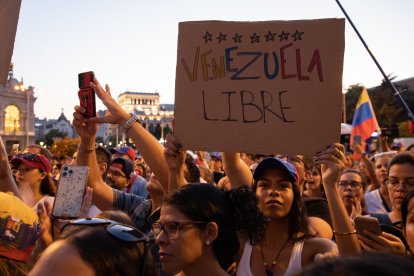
{"x": 364, "y": 122}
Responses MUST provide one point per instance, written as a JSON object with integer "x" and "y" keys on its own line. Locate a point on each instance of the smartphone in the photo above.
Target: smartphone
{"x": 86, "y": 94}
{"x": 358, "y": 139}
{"x": 70, "y": 191}
{"x": 367, "y": 223}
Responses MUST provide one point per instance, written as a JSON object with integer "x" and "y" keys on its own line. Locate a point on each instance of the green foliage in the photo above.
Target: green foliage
{"x": 50, "y": 137}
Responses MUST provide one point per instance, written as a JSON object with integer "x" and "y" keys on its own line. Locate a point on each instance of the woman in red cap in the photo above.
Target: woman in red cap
{"x": 33, "y": 177}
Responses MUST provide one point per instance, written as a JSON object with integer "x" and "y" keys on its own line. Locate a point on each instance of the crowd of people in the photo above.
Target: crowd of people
{"x": 172, "y": 211}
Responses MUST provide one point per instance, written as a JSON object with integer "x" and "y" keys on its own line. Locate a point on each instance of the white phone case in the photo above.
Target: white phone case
{"x": 70, "y": 191}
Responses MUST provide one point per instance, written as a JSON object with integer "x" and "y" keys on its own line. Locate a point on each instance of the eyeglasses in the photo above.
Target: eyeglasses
{"x": 25, "y": 170}
{"x": 407, "y": 183}
{"x": 171, "y": 228}
{"x": 353, "y": 184}
{"x": 118, "y": 230}
{"x": 116, "y": 174}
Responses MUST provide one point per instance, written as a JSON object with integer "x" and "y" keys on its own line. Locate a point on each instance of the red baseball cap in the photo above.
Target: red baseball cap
{"x": 33, "y": 161}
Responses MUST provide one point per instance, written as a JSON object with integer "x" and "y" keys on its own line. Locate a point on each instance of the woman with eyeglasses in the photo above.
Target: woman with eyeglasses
{"x": 32, "y": 172}
{"x": 351, "y": 190}
{"x": 400, "y": 181}
{"x": 199, "y": 225}
{"x": 97, "y": 247}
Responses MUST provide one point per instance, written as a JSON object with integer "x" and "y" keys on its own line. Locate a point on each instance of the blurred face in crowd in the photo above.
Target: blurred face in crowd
{"x": 409, "y": 225}
{"x": 350, "y": 189}
{"x": 362, "y": 168}
{"x": 32, "y": 176}
{"x": 117, "y": 179}
{"x": 275, "y": 194}
{"x": 381, "y": 165}
{"x": 246, "y": 159}
{"x": 138, "y": 170}
{"x": 55, "y": 171}
{"x": 400, "y": 182}
{"x": 179, "y": 246}
{"x": 216, "y": 165}
{"x": 313, "y": 179}
{"x": 61, "y": 258}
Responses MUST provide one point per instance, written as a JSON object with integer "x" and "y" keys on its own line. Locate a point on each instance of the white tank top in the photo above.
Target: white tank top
{"x": 295, "y": 263}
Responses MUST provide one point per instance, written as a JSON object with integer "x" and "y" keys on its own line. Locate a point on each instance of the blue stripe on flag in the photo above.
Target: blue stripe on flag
{"x": 362, "y": 114}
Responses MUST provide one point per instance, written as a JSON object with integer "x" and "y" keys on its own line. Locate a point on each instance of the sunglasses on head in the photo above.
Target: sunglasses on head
{"x": 118, "y": 230}
{"x": 29, "y": 156}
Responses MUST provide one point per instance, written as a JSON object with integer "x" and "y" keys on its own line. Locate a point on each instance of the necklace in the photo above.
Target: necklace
{"x": 269, "y": 267}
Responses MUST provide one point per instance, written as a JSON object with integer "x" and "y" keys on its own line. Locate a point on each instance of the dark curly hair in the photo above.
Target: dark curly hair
{"x": 235, "y": 212}
{"x": 298, "y": 220}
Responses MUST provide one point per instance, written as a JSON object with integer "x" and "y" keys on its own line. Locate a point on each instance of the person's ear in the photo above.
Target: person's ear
{"x": 43, "y": 175}
{"x": 211, "y": 233}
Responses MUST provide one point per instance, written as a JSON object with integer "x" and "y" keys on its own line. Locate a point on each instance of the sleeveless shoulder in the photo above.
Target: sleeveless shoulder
{"x": 243, "y": 268}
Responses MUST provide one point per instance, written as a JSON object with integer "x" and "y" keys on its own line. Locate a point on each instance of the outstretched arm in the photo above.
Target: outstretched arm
{"x": 102, "y": 194}
{"x": 174, "y": 156}
{"x": 7, "y": 183}
{"x": 333, "y": 162}
{"x": 151, "y": 150}
{"x": 236, "y": 170}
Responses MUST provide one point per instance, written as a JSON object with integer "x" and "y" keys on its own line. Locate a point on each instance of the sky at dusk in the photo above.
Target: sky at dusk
{"x": 132, "y": 44}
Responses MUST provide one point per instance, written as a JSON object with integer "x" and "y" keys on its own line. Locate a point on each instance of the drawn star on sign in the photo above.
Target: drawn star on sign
{"x": 284, "y": 36}
{"x": 270, "y": 36}
{"x": 237, "y": 38}
{"x": 297, "y": 35}
{"x": 207, "y": 37}
{"x": 222, "y": 37}
{"x": 255, "y": 38}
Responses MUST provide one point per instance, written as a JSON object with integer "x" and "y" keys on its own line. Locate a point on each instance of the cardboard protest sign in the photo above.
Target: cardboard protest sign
{"x": 9, "y": 15}
{"x": 259, "y": 87}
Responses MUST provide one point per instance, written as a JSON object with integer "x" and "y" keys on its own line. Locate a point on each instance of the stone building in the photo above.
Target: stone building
{"x": 16, "y": 113}
{"x": 147, "y": 106}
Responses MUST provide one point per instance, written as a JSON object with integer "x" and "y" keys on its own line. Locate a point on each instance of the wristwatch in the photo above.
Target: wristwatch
{"x": 127, "y": 125}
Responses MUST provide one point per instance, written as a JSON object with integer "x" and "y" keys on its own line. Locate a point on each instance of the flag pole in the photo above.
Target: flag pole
{"x": 387, "y": 80}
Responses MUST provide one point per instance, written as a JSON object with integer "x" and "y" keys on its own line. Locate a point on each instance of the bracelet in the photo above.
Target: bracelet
{"x": 127, "y": 125}
{"x": 86, "y": 150}
{"x": 344, "y": 233}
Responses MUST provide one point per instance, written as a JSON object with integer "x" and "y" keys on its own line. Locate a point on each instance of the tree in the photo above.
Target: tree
{"x": 64, "y": 147}
{"x": 50, "y": 137}
{"x": 387, "y": 108}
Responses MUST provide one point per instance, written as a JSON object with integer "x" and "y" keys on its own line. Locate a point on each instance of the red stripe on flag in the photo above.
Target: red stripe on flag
{"x": 364, "y": 130}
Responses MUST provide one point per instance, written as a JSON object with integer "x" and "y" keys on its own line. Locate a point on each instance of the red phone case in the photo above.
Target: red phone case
{"x": 86, "y": 94}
